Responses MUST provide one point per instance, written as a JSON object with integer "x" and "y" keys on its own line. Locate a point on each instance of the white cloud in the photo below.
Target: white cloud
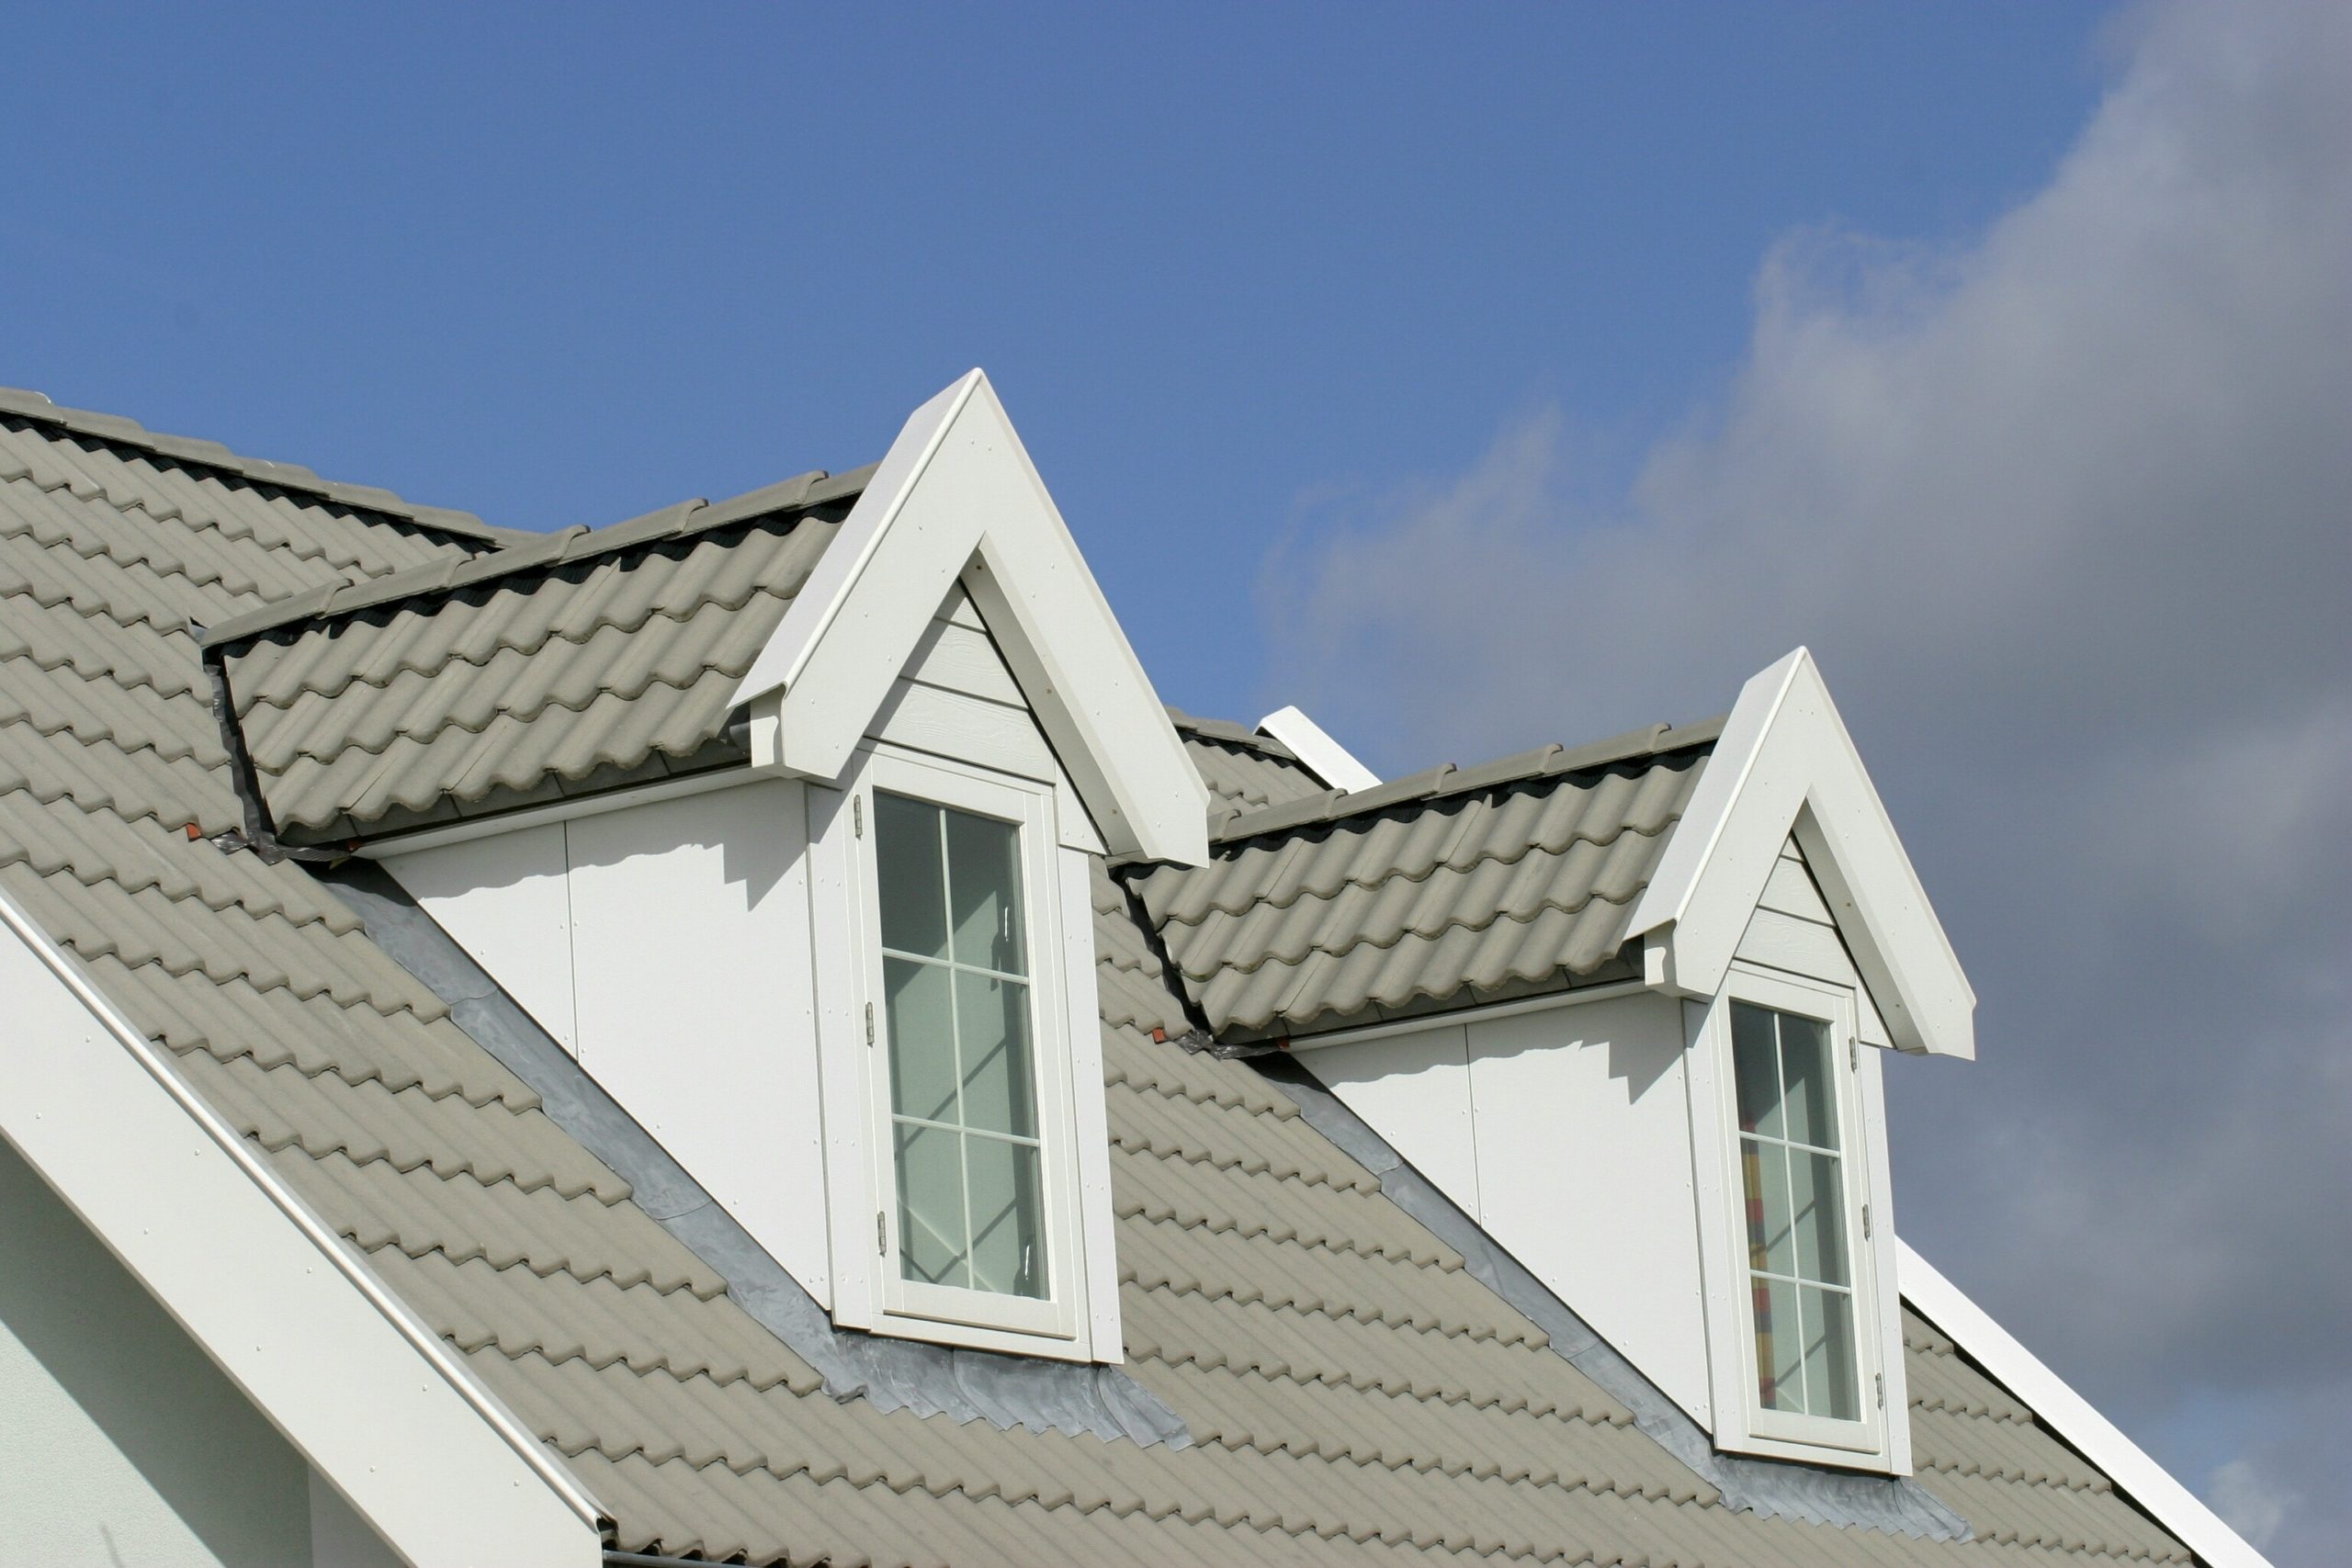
{"x": 2247, "y": 1504}
{"x": 2066, "y": 512}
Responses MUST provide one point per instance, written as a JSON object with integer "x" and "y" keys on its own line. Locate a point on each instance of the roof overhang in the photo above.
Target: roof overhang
{"x": 1785, "y": 764}
{"x": 957, "y": 498}
{"x": 380, "y": 1407}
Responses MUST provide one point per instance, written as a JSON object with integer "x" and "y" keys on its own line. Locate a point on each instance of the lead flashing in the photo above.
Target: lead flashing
{"x": 893, "y": 1375}
{"x": 1841, "y": 1499}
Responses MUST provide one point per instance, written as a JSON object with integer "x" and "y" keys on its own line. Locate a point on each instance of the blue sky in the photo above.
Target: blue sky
{"x": 1476, "y": 375}
{"x": 565, "y": 265}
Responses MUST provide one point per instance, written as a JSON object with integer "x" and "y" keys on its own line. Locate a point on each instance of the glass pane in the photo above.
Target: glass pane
{"x": 1780, "y": 1376}
{"x": 931, "y": 1206}
{"x": 1809, "y": 1101}
{"x": 916, "y": 1000}
{"x": 908, "y": 865}
{"x": 1829, "y": 1375}
{"x": 1818, "y": 1209}
{"x": 1755, "y": 1064}
{"x": 1764, "y": 1172}
{"x": 1008, "y": 1239}
{"x": 983, "y": 891}
{"x": 992, "y": 1034}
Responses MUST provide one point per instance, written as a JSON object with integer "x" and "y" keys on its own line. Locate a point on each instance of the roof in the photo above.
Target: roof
{"x": 378, "y": 704}
{"x": 1244, "y": 771}
{"x": 1327, "y": 908}
{"x": 1352, "y": 1390}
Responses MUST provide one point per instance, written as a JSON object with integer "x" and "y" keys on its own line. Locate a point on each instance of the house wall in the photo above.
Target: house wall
{"x": 1793, "y": 930}
{"x": 121, "y": 1442}
{"x": 667, "y": 944}
{"x": 1565, "y": 1133}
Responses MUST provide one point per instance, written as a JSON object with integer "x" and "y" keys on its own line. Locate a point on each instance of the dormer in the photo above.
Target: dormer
{"x": 781, "y": 817}
{"x": 1626, "y": 1006}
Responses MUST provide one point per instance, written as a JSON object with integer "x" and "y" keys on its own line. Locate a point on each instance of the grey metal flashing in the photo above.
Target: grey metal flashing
{"x": 1841, "y": 1499}
{"x": 121, "y": 432}
{"x": 892, "y": 1375}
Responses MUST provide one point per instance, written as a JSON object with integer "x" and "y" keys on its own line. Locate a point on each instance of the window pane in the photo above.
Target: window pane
{"x": 1818, "y": 1204}
{"x": 984, "y": 892}
{"x": 1779, "y": 1373}
{"x": 1755, "y": 1064}
{"x": 992, "y": 1031}
{"x": 1008, "y": 1238}
{"x": 1809, "y": 1104}
{"x": 922, "y": 1039}
{"x": 1829, "y": 1377}
{"x": 908, "y": 867}
{"x": 1764, "y": 1171}
{"x": 931, "y": 1244}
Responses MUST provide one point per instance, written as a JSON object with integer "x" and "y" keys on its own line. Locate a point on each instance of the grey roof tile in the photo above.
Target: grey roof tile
{"x": 1355, "y": 1395}
{"x": 1425, "y": 889}
{"x": 400, "y": 694}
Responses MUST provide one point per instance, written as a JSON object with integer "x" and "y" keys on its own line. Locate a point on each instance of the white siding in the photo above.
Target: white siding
{"x": 515, "y": 914}
{"x": 957, "y": 698}
{"x": 1792, "y": 930}
{"x": 122, "y": 1441}
{"x": 1565, "y": 1131}
{"x": 692, "y": 967}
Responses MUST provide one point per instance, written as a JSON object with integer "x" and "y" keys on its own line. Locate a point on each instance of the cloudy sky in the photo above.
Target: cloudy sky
{"x": 1473, "y": 378}
{"x": 2065, "y": 511}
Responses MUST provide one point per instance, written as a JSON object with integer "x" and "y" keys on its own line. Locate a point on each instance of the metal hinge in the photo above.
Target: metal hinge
{"x": 882, "y": 1247}
{"x": 1866, "y": 1222}
{"x": 1881, "y": 1390}
{"x": 869, "y": 1023}
{"x": 1853, "y": 1055}
{"x": 857, "y": 815}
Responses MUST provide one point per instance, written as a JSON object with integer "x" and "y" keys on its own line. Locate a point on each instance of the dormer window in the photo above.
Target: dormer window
{"x": 959, "y": 1007}
{"x": 1801, "y": 1175}
{"x": 958, "y": 1094}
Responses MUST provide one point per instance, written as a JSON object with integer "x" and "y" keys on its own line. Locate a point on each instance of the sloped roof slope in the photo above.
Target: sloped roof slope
{"x": 1244, "y": 771}
{"x": 1352, "y": 1391}
{"x": 1316, "y": 910}
{"x": 366, "y": 705}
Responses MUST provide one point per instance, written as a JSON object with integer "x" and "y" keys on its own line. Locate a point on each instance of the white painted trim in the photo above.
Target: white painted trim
{"x": 372, "y": 1396}
{"x": 1442, "y": 1017}
{"x": 957, "y": 498}
{"x": 2069, "y": 1415}
{"x": 1079, "y": 1320}
{"x": 1785, "y": 764}
{"x": 1312, "y": 745}
{"x": 566, "y": 810}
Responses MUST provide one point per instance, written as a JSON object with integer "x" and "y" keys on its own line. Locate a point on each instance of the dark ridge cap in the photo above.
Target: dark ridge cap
{"x": 1225, "y": 732}
{"x": 124, "y": 432}
{"x": 801, "y": 493}
{"x": 1445, "y": 779}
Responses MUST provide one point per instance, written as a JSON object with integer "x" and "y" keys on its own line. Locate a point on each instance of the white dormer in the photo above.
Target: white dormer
{"x": 851, "y": 987}
{"x": 1695, "y": 1160}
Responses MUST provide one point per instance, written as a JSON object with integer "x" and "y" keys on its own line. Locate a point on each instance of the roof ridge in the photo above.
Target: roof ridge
{"x": 1228, "y": 732}
{"x": 37, "y": 406}
{"x": 1445, "y": 779}
{"x": 802, "y": 492}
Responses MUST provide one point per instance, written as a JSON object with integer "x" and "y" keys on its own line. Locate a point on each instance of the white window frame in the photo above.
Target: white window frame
{"x": 869, "y": 1292}
{"x": 1742, "y": 1422}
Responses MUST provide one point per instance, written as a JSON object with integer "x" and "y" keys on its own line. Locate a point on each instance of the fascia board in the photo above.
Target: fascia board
{"x": 957, "y": 498}
{"x": 1785, "y": 764}
{"x": 784, "y": 663}
{"x": 2069, "y": 1415}
{"x": 1311, "y": 744}
{"x": 371, "y": 1397}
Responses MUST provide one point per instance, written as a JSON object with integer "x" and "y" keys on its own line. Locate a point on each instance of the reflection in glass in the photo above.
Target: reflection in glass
{"x": 1792, "y": 1177}
{"x": 963, "y": 1075}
